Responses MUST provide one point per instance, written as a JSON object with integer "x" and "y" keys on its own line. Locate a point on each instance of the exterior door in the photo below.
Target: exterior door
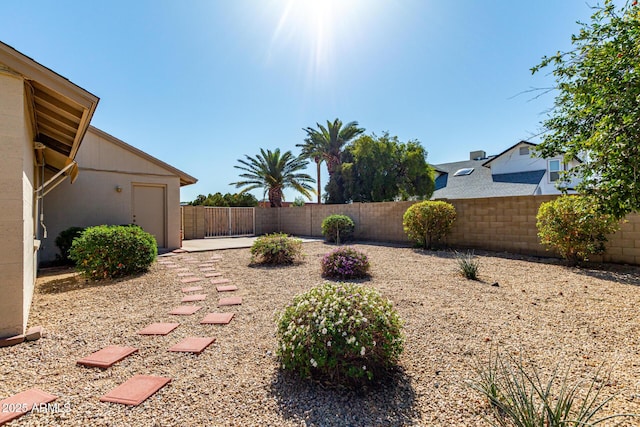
{"x": 150, "y": 210}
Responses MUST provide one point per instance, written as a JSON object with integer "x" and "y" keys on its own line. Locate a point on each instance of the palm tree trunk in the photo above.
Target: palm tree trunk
{"x": 319, "y": 187}
{"x": 275, "y": 197}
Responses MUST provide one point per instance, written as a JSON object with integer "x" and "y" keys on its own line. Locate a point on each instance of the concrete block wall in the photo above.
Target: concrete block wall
{"x": 193, "y": 222}
{"x": 496, "y": 224}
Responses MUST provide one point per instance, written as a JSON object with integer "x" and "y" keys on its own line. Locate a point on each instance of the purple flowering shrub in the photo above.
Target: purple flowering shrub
{"x": 345, "y": 263}
{"x": 340, "y": 334}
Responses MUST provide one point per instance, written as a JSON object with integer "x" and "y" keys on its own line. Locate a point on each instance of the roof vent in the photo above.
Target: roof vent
{"x": 463, "y": 172}
{"x": 477, "y": 155}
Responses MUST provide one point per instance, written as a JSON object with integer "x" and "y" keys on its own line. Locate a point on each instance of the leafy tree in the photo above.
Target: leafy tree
{"x": 596, "y": 116}
{"x": 326, "y": 144}
{"x": 274, "y": 172}
{"x": 226, "y": 200}
{"x": 377, "y": 169}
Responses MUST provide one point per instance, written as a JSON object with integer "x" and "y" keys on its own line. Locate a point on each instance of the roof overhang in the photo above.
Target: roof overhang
{"x": 60, "y": 110}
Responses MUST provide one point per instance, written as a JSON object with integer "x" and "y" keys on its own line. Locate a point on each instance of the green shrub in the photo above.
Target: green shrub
{"x": 468, "y": 265}
{"x": 574, "y": 227}
{"x": 345, "y": 263}
{"x": 64, "y": 242}
{"x": 428, "y": 223}
{"x": 109, "y": 251}
{"x": 519, "y": 397}
{"x": 345, "y": 334}
{"x": 275, "y": 249}
{"x": 338, "y": 228}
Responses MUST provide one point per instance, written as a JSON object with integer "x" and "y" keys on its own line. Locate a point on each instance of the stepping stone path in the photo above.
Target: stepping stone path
{"x": 158, "y": 329}
{"x": 193, "y": 345}
{"x": 229, "y": 301}
{"x": 140, "y": 387}
{"x": 217, "y": 318}
{"x": 135, "y": 390}
{"x": 107, "y": 357}
{"x": 185, "y": 310}
{"x": 194, "y": 297}
{"x": 21, "y": 403}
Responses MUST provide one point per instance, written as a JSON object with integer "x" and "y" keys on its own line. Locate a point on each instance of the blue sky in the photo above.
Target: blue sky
{"x": 200, "y": 83}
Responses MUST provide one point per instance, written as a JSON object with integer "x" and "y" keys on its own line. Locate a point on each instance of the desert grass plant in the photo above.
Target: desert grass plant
{"x": 574, "y": 227}
{"x": 338, "y": 228}
{"x": 468, "y": 265}
{"x": 345, "y": 263}
{"x": 276, "y": 249}
{"x": 519, "y": 397}
{"x": 342, "y": 334}
{"x": 428, "y": 223}
{"x": 110, "y": 251}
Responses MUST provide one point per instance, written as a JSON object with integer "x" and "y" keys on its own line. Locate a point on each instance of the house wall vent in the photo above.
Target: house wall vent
{"x": 477, "y": 155}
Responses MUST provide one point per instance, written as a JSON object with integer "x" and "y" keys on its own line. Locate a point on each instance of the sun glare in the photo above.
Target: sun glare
{"x": 316, "y": 31}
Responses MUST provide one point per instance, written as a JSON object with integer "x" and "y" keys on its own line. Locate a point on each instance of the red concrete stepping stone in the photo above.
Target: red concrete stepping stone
{"x": 6, "y": 342}
{"x": 226, "y": 288}
{"x": 217, "y": 318}
{"x": 192, "y": 261}
{"x": 206, "y": 265}
{"x": 220, "y": 281}
{"x": 193, "y": 344}
{"x": 216, "y": 257}
{"x": 191, "y": 279}
{"x": 216, "y": 274}
{"x": 171, "y": 266}
{"x": 185, "y": 310}
{"x": 107, "y": 356}
{"x": 207, "y": 269}
{"x": 182, "y": 269}
{"x": 194, "y": 297}
{"x": 230, "y": 301}
{"x": 158, "y": 329}
{"x": 192, "y": 289}
{"x": 186, "y": 275}
{"x": 135, "y": 390}
{"x": 21, "y": 403}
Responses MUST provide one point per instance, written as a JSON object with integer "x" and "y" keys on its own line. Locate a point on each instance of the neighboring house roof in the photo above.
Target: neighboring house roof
{"x": 185, "y": 179}
{"x": 480, "y": 183}
{"x": 507, "y": 150}
{"x": 60, "y": 110}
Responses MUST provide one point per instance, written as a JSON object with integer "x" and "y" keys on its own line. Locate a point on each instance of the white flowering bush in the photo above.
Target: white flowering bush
{"x": 343, "y": 333}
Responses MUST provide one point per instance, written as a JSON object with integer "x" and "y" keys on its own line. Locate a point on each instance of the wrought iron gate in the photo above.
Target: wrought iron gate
{"x": 225, "y": 222}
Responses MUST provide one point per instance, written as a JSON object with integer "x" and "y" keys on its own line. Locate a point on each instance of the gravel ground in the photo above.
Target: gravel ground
{"x": 551, "y": 314}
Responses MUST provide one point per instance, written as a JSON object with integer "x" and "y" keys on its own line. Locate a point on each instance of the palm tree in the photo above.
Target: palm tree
{"x": 326, "y": 144}
{"x": 274, "y": 173}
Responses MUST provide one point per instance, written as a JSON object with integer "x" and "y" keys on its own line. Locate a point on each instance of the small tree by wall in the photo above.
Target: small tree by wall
{"x": 428, "y": 223}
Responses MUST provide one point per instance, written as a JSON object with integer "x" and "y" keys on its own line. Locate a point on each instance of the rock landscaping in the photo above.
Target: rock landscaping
{"x": 222, "y": 368}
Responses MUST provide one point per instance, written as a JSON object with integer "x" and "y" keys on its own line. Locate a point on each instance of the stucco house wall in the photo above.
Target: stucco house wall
{"x": 17, "y": 260}
{"x": 103, "y": 192}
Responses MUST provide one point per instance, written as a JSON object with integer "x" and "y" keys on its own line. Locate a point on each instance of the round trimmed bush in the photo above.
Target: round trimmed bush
{"x": 338, "y": 228}
{"x": 574, "y": 227}
{"x": 428, "y": 223}
{"x": 275, "y": 249}
{"x": 345, "y": 263}
{"x": 343, "y": 333}
{"x": 64, "y": 242}
{"x": 108, "y": 251}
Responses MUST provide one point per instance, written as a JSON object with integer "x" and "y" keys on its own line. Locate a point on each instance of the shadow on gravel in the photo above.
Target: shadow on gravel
{"x": 612, "y": 273}
{"x": 389, "y": 403}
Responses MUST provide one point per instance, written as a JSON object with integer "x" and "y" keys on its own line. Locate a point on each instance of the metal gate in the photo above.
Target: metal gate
{"x": 225, "y": 222}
